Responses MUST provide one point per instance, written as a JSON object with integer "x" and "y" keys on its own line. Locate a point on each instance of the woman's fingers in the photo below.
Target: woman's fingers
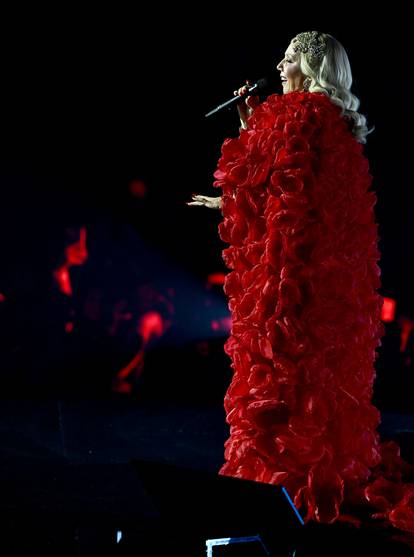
{"x": 240, "y": 91}
{"x": 197, "y": 200}
{"x": 206, "y": 201}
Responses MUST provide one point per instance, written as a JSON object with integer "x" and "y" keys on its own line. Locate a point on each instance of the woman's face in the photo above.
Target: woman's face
{"x": 290, "y": 73}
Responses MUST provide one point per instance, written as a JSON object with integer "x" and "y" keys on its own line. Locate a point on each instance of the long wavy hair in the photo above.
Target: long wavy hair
{"x": 332, "y": 75}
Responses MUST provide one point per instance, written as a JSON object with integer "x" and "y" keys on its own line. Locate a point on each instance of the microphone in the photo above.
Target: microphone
{"x": 260, "y": 84}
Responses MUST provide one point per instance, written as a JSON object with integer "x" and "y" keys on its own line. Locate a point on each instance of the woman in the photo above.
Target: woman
{"x": 299, "y": 220}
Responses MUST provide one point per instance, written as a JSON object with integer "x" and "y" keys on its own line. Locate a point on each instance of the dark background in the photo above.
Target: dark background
{"x": 91, "y": 102}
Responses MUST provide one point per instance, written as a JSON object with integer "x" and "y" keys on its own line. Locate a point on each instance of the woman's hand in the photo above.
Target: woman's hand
{"x": 210, "y": 202}
{"x": 246, "y": 107}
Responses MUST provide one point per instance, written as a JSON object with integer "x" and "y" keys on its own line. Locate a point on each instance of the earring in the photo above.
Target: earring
{"x": 306, "y": 83}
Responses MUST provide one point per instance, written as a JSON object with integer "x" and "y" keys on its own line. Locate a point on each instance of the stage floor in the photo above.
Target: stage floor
{"x": 67, "y": 483}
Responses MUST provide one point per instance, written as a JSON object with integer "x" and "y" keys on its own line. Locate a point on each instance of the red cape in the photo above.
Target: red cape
{"x": 303, "y": 294}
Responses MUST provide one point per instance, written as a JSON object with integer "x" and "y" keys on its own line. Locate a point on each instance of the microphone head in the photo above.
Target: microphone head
{"x": 271, "y": 83}
{"x": 262, "y": 83}
{"x": 266, "y": 85}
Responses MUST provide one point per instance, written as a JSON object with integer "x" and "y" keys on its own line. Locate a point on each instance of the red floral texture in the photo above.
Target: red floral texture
{"x": 303, "y": 294}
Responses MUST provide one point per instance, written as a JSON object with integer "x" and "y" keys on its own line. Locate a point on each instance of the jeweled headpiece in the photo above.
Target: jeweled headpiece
{"x": 311, "y": 42}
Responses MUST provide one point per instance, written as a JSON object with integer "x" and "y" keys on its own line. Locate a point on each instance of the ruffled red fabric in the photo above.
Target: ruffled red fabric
{"x": 303, "y": 294}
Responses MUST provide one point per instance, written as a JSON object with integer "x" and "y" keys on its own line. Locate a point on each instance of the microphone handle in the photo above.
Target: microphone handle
{"x": 235, "y": 99}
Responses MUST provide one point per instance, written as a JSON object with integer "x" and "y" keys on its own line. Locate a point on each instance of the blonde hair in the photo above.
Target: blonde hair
{"x": 331, "y": 74}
